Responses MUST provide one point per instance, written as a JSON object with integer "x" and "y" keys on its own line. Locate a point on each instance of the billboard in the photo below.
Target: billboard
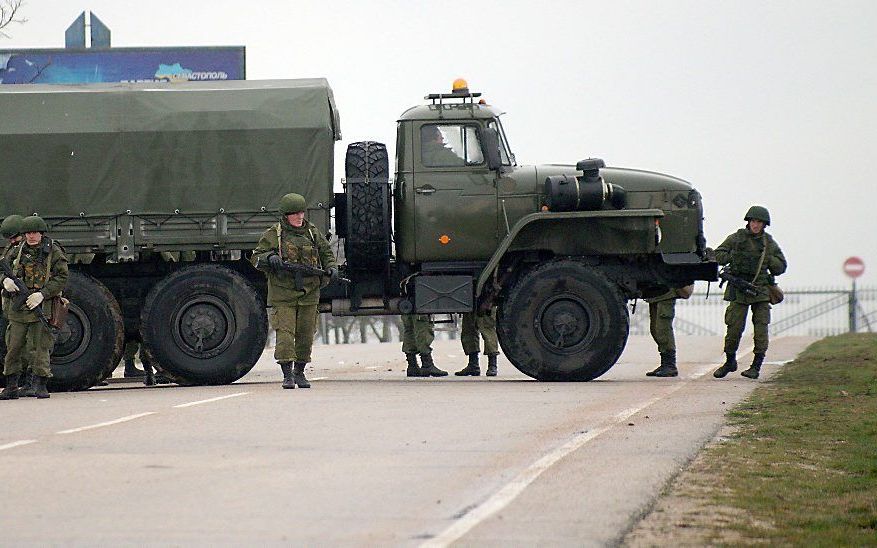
{"x": 80, "y": 66}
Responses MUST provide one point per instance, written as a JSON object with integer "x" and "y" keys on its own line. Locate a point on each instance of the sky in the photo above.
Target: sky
{"x": 773, "y": 103}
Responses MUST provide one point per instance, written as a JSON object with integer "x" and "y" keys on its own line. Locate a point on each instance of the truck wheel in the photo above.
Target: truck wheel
{"x": 367, "y": 245}
{"x": 205, "y": 324}
{"x": 563, "y": 321}
{"x": 90, "y": 344}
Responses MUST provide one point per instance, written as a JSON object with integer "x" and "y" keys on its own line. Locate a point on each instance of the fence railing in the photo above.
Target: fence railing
{"x": 816, "y": 312}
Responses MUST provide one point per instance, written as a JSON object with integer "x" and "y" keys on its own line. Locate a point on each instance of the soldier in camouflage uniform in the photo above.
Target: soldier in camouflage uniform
{"x": 433, "y": 152}
{"x": 293, "y": 307}
{"x": 417, "y": 337}
{"x": 662, "y": 310}
{"x": 754, "y": 256}
{"x": 42, "y": 264}
{"x": 477, "y": 324}
{"x": 11, "y": 229}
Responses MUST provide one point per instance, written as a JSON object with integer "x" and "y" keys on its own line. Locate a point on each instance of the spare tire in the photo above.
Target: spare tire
{"x": 204, "y": 324}
{"x": 368, "y": 216}
{"x": 90, "y": 344}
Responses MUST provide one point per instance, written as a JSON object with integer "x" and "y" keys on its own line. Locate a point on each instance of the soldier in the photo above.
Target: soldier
{"x": 433, "y": 151}
{"x": 417, "y": 337}
{"x": 293, "y": 299}
{"x": 11, "y": 229}
{"x": 754, "y": 256}
{"x": 483, "y": 324}
{"x": 42, "y": 265}
{"x": 662, "y": 310}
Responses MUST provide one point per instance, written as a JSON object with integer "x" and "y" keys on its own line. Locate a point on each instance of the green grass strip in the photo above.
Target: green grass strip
{"x": 801, "y": 468}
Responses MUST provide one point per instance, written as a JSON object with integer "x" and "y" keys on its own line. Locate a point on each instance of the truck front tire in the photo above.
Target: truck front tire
{"x": 205, "y": 324}
{"x": 563, "y": 321}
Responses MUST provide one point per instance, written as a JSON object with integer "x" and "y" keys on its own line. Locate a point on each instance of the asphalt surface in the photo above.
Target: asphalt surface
{"x": 366, "y": 456}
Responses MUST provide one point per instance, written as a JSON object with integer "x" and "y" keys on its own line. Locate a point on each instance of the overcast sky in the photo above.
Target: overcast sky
{"x": 752, "y": 102}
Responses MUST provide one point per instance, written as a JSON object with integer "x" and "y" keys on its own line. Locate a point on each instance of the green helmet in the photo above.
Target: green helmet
{"x": 759, "y": 213}
{"x": 11, "y": 226}
{"x": 33, "y": 224}
{"x": 292, "y": 203}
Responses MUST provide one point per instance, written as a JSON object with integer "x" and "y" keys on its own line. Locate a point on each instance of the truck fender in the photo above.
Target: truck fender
{"x": 531, "y": 226}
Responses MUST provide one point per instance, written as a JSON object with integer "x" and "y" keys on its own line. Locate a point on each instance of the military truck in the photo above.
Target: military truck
{"x": 130, "y": 177}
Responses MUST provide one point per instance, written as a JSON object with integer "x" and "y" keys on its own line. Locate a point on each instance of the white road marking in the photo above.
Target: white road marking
{"x": 319, "y": 378}
{"x": 372, "y": 368}
{"x": 199, "y": 402}
{"x": 108, "y": 423}
{"x": 18, "y": 443}
{"x": 510, "y": 492}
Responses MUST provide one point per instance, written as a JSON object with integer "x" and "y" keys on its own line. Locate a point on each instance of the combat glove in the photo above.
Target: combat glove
{"x": 9, "y": 285}
{"x": 34, "y": 300}
{"x": 274, "y": 261}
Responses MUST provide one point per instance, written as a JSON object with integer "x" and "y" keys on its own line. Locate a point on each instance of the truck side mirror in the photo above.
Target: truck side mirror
{"x": 490, "y": 146}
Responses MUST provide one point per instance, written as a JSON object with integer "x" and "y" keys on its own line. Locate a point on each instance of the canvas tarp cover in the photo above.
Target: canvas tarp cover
{"x": 198, "y": 147}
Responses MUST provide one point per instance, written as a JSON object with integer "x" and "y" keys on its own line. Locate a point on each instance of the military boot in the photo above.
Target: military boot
{"x": 755, "y": 368}
{"x": 11, "y": 390}
{"x": 491, "y": 365}
{"x": 40, "y": 389}
{"x": 413, "y": 369}
{"x": 729, "y": 365}
{"x": 298, "y": 375}
{"x": 29, "y": 389}
{"x": 667, "y": 367}
{"x": 288, "y": 381}
{"x": 428, "y": 367}
{"x": 131, "y": 371}
{"x": 472, "y": 369}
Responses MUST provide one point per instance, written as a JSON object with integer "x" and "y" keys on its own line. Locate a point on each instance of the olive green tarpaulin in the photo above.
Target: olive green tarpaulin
{"x": 154, "y": 148}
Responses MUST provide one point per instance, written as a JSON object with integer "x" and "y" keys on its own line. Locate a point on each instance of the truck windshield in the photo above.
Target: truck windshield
{"x": 505, "y": 152}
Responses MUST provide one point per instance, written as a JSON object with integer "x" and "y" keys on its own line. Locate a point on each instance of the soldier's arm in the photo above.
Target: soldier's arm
{"x": 777, "y": 264}
{"x": 723, "y": 252}
{"x": 327, "y": 258}
{"x": 266, "y": 246}
{"x": 58, "y": 278}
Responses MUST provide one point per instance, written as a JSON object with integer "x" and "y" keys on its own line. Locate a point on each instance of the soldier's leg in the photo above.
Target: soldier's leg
{"x": 662, "y": 332}
{"x": 471, "y": 345}
{"x": 16, "y": 339}
{"x": 760, "y": 321}
{"x": 409, "y": 346}
{"x": 131, "y": 371}
{"x": 735, "y": 320}
{"x": 305, "y": 328}
{"x": 424, "y": 335}
{"x": 40, "y": 341}
{"x": 282, "y": 320}
{"x": 487, "y": 328}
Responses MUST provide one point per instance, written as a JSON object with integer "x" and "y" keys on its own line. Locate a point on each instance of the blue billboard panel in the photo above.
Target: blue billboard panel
{"x": 59, "y": 66}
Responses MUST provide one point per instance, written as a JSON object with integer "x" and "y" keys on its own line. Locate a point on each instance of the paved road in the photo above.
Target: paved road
{"x": 365, "y": 457}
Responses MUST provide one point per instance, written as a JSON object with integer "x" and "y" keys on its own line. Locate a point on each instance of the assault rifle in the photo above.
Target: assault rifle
{"x": 19, "y": 298}
{"x": 738, "y": 283}
{"x": 301, "y": 270}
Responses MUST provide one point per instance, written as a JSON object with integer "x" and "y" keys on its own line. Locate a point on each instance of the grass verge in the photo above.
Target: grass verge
{"x": 800, "y": 467}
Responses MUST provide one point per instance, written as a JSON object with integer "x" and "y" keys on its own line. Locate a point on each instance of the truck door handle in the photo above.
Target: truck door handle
{"x": 425, "y": 190}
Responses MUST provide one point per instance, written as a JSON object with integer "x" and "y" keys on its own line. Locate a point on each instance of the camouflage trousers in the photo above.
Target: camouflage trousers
{"x": 25, "y": 359}
{"x": 131, "y": 349}
{"x": 661, "y": 316}
{"x": 483, "y": 324}
{"x": 735, "y": 319}
{"x": 296, "y": 325}
{"x": 417, "y": 334}
{"x": 30, "y": 339}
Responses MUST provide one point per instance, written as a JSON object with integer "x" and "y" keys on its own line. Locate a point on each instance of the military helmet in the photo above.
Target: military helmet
{"x": 292, "y": 203}
{"x": 11, "y": 226}
{"x": 759, "y": 213}
{"x": 33, "y": 224}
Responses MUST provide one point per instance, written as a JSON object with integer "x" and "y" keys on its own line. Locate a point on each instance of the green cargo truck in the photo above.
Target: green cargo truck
{"x": 130, "y": 177}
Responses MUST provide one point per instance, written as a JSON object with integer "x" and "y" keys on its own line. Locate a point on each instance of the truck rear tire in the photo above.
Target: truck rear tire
{"x": 563, "y": 321}
{"x": 90, "y": 344}
{"x": 367, "y": 243}
{"x": 205, "y": 324}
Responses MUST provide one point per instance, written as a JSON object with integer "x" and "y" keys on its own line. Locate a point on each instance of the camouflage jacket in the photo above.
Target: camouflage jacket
{"x": 304, "y": 245}
{"x": 742, "y": 251}
{"x": 43, "y": 268}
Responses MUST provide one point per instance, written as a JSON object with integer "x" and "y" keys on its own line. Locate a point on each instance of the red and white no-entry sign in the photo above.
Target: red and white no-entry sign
{"x": 854, "y": 267}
